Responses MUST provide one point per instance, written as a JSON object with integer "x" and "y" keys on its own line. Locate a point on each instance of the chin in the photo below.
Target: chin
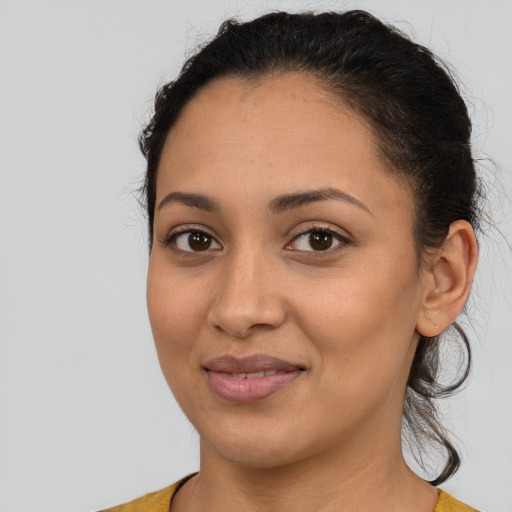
{"x": 258, "y": 447}
{"x": 256, "y": 455}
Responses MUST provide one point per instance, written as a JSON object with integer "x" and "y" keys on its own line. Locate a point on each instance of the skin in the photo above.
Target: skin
{"x": 349, "y": 315}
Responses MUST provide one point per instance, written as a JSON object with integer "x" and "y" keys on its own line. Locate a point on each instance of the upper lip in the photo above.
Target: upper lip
{"x": 249, "y": 364}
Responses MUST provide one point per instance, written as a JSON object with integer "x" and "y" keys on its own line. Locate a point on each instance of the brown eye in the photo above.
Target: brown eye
{"x": 320, "y": 241}
{"x": 199, "y": 241}
{"x": 194, "y": 241}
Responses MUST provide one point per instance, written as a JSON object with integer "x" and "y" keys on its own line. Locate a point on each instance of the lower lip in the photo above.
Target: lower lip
{"x": 249, "y": 390}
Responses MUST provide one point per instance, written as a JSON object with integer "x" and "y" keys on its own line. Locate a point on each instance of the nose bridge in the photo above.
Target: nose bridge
{"x": 247, "y": 293}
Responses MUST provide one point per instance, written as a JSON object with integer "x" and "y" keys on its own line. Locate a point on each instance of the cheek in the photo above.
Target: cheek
{"x": 362, "y": 325}
{"x": 176, "y": 312}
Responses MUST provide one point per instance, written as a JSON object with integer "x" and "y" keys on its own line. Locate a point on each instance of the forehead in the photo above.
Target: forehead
{"x": 293, "y": 106}
{"x": 273, "y": 135}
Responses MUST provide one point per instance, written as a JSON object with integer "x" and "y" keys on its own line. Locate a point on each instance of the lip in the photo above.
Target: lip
{"x": 249, "y": 364}
{"x": 228, "y": 379}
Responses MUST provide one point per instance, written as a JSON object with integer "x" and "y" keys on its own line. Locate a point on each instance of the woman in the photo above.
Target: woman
{"x": 312, "y": 203}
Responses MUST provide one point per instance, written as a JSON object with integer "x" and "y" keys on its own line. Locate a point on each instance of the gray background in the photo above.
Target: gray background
{"x": 86, "y": 419}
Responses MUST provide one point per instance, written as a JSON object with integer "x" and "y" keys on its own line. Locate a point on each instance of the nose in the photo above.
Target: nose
{"x": 248, "y": 297}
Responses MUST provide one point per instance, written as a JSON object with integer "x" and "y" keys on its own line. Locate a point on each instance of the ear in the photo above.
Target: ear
{"x": 448, "y": 275}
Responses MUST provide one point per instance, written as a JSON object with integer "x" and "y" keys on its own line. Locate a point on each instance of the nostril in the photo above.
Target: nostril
{"x": 259, "y": 326}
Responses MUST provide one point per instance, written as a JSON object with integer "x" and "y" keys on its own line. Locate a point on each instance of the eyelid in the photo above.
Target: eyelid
{"x": 343, "y": 239}
{"x": 184, "y": 229}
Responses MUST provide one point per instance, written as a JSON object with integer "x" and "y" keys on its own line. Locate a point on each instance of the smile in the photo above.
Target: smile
{"x": 254, "y": 375}
{"x": 250, "y": 379}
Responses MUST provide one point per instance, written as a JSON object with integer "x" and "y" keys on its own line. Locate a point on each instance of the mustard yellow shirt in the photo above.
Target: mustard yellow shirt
{"x": 160, "y": 501}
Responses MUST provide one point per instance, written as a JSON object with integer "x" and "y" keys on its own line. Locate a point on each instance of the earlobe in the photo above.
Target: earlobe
{"x": 448, "y": 279}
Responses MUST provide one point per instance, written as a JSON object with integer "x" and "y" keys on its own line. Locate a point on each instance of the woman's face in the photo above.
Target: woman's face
{"x": 283, "y": 286}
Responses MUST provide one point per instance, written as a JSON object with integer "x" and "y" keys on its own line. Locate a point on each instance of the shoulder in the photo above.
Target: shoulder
{"x": 159, "y": 501}
{"x": 447, "y": 503}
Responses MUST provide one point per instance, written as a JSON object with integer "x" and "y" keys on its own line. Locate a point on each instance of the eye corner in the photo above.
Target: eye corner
{"x": 334, "y": 240}
{"x": 180, "y": 241}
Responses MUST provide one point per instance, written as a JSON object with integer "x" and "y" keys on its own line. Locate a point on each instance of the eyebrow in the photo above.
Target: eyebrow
{"x": 296, "y": 200}
{"x": 278, "y": 205}
{"x": 194, "y": 200}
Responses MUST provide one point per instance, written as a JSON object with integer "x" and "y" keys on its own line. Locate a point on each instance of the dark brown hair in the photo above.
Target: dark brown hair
{"x": 421, "y": 124}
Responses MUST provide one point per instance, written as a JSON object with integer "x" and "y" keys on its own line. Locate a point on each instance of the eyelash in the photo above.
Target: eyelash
{"x": 343, "y": 240}
{"x": 188, "y": 230}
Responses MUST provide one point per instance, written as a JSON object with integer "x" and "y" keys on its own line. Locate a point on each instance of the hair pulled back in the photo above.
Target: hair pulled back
{"x": 419, "y": 119}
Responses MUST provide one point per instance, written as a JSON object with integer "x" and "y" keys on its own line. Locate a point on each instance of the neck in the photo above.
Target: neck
{"x": 372, "y": 477}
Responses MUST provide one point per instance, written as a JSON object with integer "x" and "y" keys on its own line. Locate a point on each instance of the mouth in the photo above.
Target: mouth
{"x": 250, "y": 379}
